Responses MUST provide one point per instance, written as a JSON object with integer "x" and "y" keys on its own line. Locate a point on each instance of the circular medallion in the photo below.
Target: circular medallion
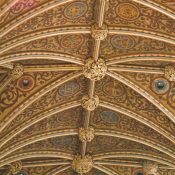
{"x": 138, "y": 171}
{"x": 22, "y": 173}
{"x": 114, "y": 89}
{"x": 109, "y": 117}
{"x": 75, "y": 10}
{"x": 26, "y": 83}
{"x": 69, "y": 89}
{"x": 123, "y": 42}
{"x": 160, "y": 85}
{"x": 71, "y": 41}
{"x": 127, "y": 11}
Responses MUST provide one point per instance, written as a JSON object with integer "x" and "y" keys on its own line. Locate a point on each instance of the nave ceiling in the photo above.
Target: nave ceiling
{"x": 87, "y": 87}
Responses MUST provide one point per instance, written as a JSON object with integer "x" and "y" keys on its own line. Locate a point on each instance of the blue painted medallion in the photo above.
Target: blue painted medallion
{"x": 69, "y": 89}
{"x": 123, "y": 42}
{"x": 109, "y": 117}
{"x": 75, "y": 10}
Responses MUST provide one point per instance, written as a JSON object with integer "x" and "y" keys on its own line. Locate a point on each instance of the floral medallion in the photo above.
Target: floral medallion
{"x": 122, "y": 42}
{"x": 127, "y": 11}
{"x": 75, "y": 10}
{"x": 71, "y": 41}
{"x": 69, "y": 89}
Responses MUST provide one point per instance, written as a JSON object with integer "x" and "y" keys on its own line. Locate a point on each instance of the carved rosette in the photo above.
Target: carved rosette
{"x": 17, "y": 71}
{"x": 95, "y": 70}
{"x": 90, "y": 104}
{"x": 150, "y": 167}
{"x": 82, "y": 164}
{"x": 170, "y": 73}
{"x": 99, "y": 33}
{"x": 15, "y": 167}
{"x": 86, "y": 135}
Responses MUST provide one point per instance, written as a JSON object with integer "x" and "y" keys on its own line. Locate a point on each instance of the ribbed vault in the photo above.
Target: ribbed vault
{"x": 87, "y": 86}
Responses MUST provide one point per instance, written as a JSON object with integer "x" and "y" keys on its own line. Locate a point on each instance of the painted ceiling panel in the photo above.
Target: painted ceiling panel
{"x": 87, "y": 87}
{"x": 126, "y": 13}
{"x": 69, "y": 14}
{"x": 116, "y": 45}
{"x": 75, "y": 45}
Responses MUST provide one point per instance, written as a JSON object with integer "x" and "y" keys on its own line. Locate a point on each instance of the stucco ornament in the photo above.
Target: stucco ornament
{"x": 150, "y": 167}
{"x": 15, "y": 167}
{"x": 99, "y": 33}
{"x": 82, "y": 164}
{"x": 95, "y": 70}
{"x": 17, "y": 71}
{"x": 86, "y": 135}
{"x": 90, "y": 104}
{"x": 170, "y": 73}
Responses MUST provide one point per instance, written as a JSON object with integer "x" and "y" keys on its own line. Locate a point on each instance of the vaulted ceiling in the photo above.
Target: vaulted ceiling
{"x": 87, "y": 86}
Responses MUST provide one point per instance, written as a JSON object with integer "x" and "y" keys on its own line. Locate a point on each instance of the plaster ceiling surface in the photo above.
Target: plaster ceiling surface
{"x": 87, "y": 87}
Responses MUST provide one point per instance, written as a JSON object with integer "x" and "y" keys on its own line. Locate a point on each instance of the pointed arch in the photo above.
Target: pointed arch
{"x": 35, "y": 154}
{"x": 143, "y": 93}
{"x": 137, "y": 139}
{"x": 137, "y": 117}
{"x": 30, "y": 14}
{"x": 141, "y": 57}
{"x": 43, "y": 34}
{"x": 135, "y": 154}
{"x": 36, "y": 138}
{"x": 158, "y": 7}
{"x": 142, "y": 33}
{"x": 40, "y": 55}
{"x": 38, "y": 118}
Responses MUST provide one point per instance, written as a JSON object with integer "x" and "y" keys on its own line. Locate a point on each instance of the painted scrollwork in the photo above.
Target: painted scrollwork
{"x": 70, "y": 13}
{"x": 125, "y": 13}
{"x": 22, "y": 5}
{"x": 47, "y": 94}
